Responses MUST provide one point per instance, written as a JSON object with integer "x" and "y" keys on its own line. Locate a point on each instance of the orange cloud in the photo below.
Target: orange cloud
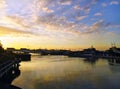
{"x": 9, "y": 31}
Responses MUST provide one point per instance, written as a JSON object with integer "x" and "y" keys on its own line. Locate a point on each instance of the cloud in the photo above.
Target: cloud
{"x": 65, "y": 2}
{"x": 114, "y": 3}
{"x": 1, "y": 4}
{"x": 104, "y": 4}
{"x": 81, "y": 17}
{"x": 6, "y": 31}
{"x": 15, "y": 23}
{"x": 61, "y": 24}
{"x": 52, "y": 22}
{"x": 94, "y": 1}
{"x": 43, "y": 17}
{"x": 95, "y": 27}
{"x": 47, "y": 10}
{"x": 2, "y": 8}
{"x": 77, "y": 7}
{"x": 17, "y": 20}
{"x": 87, "y": 9}
{"x": 98, "y": 14}
{"x": 100, "y": 26}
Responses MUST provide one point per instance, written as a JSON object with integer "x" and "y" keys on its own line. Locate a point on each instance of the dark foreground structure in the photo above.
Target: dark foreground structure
{"x": 9, "y": 70}
{"x": 23, "y": 56}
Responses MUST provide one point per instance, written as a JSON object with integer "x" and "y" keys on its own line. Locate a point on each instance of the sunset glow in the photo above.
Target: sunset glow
{"x": 59, "y": 24}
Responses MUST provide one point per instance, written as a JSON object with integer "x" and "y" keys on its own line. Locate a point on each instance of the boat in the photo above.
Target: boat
{"x": 114, "y": 61}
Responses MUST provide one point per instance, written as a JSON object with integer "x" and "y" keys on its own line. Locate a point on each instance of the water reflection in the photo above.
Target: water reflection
{"x": 91, "y": 60}
{"x": 114, "y": 65}
{"x": 59, "y": 72}
{"x": 6, "y": 80}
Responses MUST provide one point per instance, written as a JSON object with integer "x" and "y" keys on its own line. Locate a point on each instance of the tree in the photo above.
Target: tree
{"x": 1, "y": 48}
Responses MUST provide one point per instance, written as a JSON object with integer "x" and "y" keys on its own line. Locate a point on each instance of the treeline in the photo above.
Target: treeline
{"x": 4, "y": 56}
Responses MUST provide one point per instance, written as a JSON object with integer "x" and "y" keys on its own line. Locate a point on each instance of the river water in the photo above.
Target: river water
{"x": 61, "y": 72}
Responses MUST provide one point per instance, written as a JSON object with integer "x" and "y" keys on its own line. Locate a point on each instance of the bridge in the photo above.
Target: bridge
{"x": 8, "y": 66}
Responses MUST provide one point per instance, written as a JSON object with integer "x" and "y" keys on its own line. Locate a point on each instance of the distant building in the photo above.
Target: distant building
{"x": 90, "y": 50}
{"x": 25, "y": 50}
{"x": 10, "y": 50}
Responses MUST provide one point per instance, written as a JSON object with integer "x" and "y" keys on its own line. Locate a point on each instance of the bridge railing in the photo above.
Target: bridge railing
{"x": 6, "y": 66}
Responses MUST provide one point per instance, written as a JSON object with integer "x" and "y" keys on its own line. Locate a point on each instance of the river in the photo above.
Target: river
{"x": 62, "y": 72}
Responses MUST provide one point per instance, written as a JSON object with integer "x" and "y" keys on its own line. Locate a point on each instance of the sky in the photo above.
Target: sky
{"x": 59, "y": 24}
